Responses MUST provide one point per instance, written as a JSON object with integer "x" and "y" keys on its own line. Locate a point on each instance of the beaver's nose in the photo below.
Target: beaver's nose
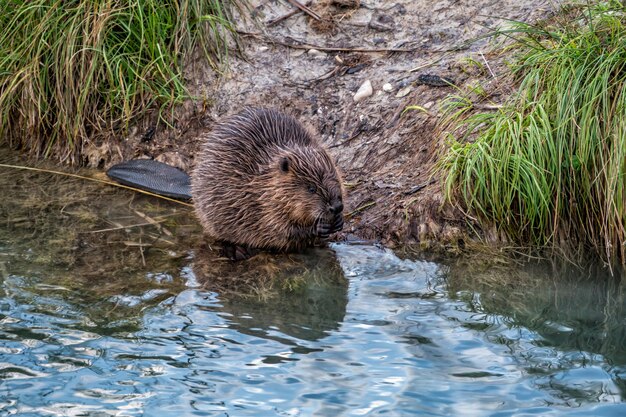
{"x": 337, "y": 207}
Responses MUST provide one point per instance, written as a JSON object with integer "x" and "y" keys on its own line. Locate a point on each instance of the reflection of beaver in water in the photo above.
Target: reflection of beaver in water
{"x": 262, "y": 181}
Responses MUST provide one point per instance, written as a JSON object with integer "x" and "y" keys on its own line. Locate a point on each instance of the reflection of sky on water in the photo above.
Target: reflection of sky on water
{"x": 461, "y": 361}
{"x": 390, "y": 343}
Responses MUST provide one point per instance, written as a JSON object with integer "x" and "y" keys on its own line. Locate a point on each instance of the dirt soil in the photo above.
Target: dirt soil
{"x": 313, "y": 68}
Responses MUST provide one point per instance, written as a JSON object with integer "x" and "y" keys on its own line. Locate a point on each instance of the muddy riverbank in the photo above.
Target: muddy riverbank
{"x": 313, "y": 68}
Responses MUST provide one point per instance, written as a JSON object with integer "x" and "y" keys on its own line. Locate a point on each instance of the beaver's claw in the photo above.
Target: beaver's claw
{"x": 325, "y": 228}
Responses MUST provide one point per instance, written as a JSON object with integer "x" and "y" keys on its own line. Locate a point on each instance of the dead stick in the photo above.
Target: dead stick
{"x": 283, "y": 17}
{"x": 305, "y": 9}
{"x": 350, "y": 49}
{"x": 304, "y": 45}
{"x": 360, "y": 209}
{"x": 279, "y": 19}
{"x": 122, "y": 227}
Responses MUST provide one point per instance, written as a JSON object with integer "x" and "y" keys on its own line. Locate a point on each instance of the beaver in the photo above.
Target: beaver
{"x": 262, "y": 181}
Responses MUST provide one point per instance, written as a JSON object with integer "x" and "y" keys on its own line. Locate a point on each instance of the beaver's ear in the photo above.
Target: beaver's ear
{"x": 284, "y": 164}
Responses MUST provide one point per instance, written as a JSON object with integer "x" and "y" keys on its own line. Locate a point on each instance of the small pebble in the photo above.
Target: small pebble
{"x": 403, "y": 92}
{"x": 263, "y": 48}
{"x": 381, "y": 23}
{"x": 364, "y": 91}
{"x": 387, "y": 87}
{"x": 316, "y": 54}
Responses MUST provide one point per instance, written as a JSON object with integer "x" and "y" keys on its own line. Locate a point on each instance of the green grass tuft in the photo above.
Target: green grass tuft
{"x": 75, "y": 70}
{"x": 549, "y": 168}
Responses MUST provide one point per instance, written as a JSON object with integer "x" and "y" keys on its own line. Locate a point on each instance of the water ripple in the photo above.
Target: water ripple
{"x": 395, "y": 344}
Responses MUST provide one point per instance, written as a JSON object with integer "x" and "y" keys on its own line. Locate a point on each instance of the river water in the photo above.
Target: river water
{"x": 111, "y": 305}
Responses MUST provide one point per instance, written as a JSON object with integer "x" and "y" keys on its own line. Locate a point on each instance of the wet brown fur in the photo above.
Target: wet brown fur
{"x": 253, "y": 179}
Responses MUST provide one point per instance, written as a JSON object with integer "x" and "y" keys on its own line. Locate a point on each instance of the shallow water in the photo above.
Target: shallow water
{"x": 100, "y": 316}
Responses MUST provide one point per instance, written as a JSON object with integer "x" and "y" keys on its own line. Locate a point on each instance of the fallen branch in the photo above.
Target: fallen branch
{"x": 298, "y": 44}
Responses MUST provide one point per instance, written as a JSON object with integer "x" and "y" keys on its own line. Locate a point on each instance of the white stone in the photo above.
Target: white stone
{"x": 314, "y": 53}
{"x": 387, "y": 87}
{"x": 403, "y": 92}
{"x": 364, "y": 91}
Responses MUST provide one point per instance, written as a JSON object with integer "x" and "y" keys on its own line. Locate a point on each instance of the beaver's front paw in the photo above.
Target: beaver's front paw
{"x": 337, "y": 224}
{"x": 325, "y": 227}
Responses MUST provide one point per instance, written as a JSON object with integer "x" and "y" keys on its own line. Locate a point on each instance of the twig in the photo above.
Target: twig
{"x": 429, "y": 64}
{"x": 137, "y": 245}
{"x": 305, "y": 9}
{"x": 355, "y": 133}
{"x": 419, "y": 187}
{"x": 298, "y": 44}
{"x": 111, "y": 229}
{"x": 360, "y": 209}
{"x": 304, "y": 45}
{"x": 153, "y": 222}
{"x": 325, "y": 76}
{"x": 279, "y": 19}
{"x": 143, "y": 258}
{"x": 487, "y": 63}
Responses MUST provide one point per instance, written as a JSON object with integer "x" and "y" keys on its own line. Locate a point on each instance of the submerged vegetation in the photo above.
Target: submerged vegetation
{"x": 548, "y": 169}
{"x": 73, "y": 71}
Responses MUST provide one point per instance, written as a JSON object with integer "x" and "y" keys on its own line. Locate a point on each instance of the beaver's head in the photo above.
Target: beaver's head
{"x": 307, "y": 189}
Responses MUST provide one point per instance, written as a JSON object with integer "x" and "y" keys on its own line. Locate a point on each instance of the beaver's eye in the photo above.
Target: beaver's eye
{"x": 312, "y": 189}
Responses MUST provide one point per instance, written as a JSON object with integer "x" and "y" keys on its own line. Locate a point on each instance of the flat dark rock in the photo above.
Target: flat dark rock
{"x": 153, "y": 176}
